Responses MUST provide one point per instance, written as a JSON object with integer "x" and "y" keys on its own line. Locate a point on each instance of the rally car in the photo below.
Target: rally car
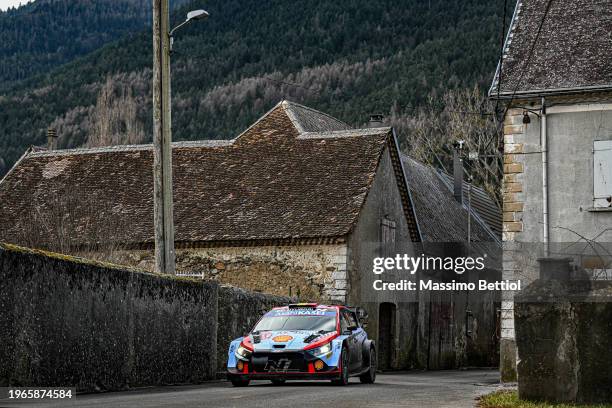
{"x": 303, "y": 341}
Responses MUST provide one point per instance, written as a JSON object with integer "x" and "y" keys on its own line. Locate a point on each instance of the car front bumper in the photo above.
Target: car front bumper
{"x": 284, "y": 365}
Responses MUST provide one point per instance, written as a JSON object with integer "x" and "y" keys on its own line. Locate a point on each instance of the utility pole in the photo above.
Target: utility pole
{"x": 162, "y": 138}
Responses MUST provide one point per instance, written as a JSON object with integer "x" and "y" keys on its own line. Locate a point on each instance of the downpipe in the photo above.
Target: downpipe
{"x": 544, "y": 149}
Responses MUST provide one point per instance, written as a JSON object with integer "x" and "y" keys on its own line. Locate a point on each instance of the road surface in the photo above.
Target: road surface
{"x": 437, "y": 389}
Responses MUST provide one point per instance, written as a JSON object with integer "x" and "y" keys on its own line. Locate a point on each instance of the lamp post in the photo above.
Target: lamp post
{"x": 162, "y": 135}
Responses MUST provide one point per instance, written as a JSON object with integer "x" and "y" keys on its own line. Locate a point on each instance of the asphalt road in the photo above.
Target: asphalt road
{"x": 437, "y": 389}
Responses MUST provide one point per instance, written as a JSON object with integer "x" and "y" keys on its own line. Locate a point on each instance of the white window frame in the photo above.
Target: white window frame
{"x": 602, "y": 174}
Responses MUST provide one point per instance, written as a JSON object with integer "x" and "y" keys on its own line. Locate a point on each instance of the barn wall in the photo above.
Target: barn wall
{"x": 383, "y": 201}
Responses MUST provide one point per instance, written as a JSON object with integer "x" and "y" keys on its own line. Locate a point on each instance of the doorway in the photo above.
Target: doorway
{"x": 386, "y": 335}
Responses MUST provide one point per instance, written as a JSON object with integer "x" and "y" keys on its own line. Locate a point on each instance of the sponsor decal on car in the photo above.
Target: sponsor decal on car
{"x": 300, "y": 312}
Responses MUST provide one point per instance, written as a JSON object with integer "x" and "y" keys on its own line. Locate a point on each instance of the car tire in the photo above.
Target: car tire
{"x": 370, "y": 376}
{"x": 344, "y": 368}
{"x": 278, "y": 381}
{"x": 239, "y": 382}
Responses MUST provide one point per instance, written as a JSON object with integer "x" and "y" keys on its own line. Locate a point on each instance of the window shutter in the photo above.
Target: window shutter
{"x": 602, "y": 173}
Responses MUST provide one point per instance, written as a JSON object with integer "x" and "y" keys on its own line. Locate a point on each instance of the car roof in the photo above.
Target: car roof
{"x": 310, "y": 306}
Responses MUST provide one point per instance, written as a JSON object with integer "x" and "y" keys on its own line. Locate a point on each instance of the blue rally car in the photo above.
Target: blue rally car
{"x": 304, "y": 341}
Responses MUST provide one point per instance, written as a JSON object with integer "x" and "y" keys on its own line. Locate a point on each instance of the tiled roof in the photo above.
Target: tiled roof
{"x": 441, "y": 218}
{"x": 481, "y": 202}
{"x": 573, "y": 51}
{"x": 296, "y": 173}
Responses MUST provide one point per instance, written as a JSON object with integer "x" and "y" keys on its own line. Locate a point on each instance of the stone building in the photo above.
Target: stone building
{"x": 555, "y": 76}
{"x": 298, "y": 204}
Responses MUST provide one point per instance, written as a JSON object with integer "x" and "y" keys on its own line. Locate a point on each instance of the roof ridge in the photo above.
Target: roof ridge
{"x": 131, "y": 147}
{"x": 329, "y": 134}
{"x": 262, "y": 117}
{"x": 287, "y": 104}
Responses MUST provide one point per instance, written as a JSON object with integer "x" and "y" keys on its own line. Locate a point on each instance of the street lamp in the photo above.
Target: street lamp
{"x": 163, "y": 212}
{"x": 192, "y": 15}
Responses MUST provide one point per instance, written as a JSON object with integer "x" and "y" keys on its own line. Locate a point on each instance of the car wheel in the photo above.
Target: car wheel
{"x": 239, "y": 382}
{"x": 344, "y": 368}
{"x": 370, "y": 376}
{"x": 278, "y": 381}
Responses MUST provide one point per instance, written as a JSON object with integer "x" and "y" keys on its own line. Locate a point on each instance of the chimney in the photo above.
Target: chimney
{"x": 376, "y": 120}
{"x": 51, "y": 139}
{"x": 458, "y": 171}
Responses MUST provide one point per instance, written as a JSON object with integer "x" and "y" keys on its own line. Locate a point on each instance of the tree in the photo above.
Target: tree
{"x": 428, "y": 133}
{"x": 114, "y": 119}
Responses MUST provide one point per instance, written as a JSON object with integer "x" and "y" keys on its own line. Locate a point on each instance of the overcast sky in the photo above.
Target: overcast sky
{"x": 4, "y": 4}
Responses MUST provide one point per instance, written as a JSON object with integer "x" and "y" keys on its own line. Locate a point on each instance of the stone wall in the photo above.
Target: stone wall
{"x": 309, "y": 272}
{"x": 72, "y": 322}
{"x": 564, "y": 337}
{"x": 513, "y": 206}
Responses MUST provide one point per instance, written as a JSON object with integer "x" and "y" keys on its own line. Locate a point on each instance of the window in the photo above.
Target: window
{"x": 387, "y": 245}
{"x": 602, "y": 173}
{"x": 387, "y": 231}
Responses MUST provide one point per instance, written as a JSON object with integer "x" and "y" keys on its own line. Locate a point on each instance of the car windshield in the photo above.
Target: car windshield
{"x": 323, "y": 323}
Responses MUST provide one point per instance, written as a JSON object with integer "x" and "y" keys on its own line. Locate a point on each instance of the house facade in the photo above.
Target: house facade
{"x": 556, "y": 79}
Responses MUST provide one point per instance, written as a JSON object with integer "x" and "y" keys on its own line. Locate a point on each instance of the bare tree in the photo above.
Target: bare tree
{"x": 428, "y": 133}
{"x": 114, "y": 118}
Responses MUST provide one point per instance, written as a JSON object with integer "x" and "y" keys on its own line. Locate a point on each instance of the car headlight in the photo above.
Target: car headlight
{"x": 324, "y": 349}
{"x": 242, "y": 353}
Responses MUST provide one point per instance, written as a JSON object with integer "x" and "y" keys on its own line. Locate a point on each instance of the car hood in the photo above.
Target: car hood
{"x": 285, "y": 339}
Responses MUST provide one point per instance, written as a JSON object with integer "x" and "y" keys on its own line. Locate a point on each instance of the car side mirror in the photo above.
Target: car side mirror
{"x": 362, "y": 315}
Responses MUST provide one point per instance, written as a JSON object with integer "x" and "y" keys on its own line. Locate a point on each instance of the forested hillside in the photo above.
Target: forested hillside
{"x": 347, "y": 57}
{"x": 44, "y": 34}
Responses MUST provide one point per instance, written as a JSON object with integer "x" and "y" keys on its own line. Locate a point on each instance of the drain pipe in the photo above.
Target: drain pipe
{"x": 544, "y": 148}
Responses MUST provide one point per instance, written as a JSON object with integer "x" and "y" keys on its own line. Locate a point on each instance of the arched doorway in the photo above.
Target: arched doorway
{"x": 386, "y": 335}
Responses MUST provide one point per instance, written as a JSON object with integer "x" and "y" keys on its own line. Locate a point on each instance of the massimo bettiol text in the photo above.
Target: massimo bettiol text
{"x": 404, "y": 264}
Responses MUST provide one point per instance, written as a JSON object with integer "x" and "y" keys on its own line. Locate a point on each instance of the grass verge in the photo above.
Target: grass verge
{"x": 510, "y": 399}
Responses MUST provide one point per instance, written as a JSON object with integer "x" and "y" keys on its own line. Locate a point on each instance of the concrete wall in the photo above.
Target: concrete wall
{"x": 572, "y": 127}
{"x": 310, "y": 272}
{"x": 70, "y": 322}
{"x": 564, "y": 341}
{"x": 382, "y": 201}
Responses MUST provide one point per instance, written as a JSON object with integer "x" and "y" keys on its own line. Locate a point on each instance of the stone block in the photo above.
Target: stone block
{"x": 513, "y": 226}
{"x": 508, "y": 236}
{"x": 513, "y": 168}
{"x": 513, "y": 187}
{"x": 513, "y": 206}
{"x": 508, "y": 129}
{"x": 513, "y": 148}
{"x": 340, "y": 284}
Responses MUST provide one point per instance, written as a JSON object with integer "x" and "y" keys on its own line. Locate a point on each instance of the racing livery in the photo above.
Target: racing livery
{"x": 303, "y": 341}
